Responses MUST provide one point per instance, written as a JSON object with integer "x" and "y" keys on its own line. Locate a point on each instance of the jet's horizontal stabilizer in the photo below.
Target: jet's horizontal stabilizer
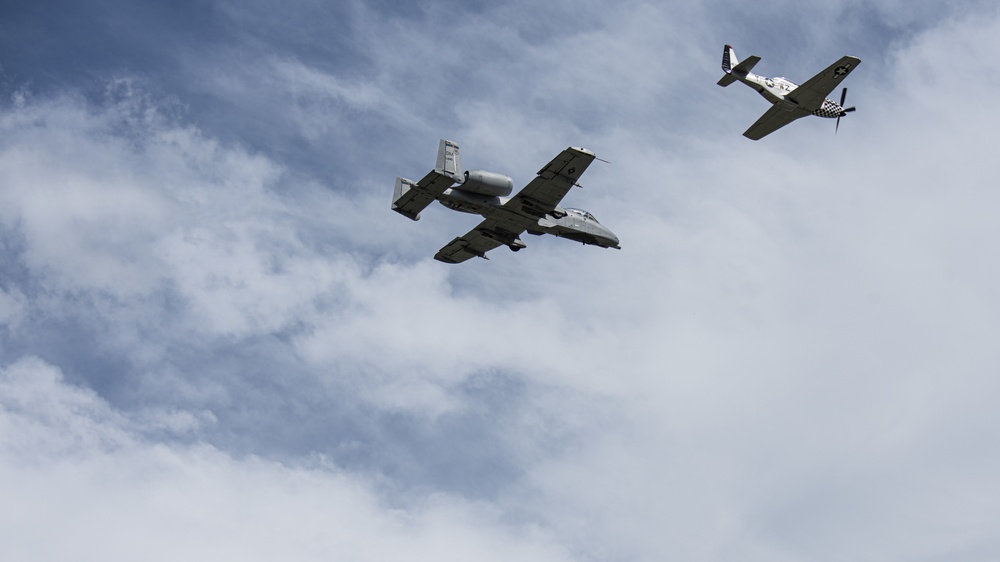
{"x": 408, "y": 200}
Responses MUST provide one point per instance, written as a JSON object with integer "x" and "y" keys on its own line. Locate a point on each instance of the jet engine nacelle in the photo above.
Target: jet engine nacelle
{"x": 487, "y": 183}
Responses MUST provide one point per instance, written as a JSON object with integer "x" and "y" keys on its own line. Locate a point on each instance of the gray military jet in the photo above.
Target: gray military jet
{"x": 790, "y": 100}
{"x": 534, "y": 209}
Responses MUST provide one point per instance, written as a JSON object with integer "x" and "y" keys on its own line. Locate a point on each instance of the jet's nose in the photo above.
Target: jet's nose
{"x": 612, "y": 239}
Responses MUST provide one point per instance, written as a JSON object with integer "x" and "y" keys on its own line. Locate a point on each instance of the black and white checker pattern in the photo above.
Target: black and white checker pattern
{"x": 830, "y": 110}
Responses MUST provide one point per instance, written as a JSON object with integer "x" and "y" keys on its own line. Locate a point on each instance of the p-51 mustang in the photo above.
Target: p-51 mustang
{"x": 534, "y": 209}
{"x": 791, "y": 102}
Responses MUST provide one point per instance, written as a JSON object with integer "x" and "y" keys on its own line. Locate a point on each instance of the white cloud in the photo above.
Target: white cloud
{"x": 792, "y": 357}
{"x": 809, "y": 325}
{"x": 12, "y": 307}
{"x": 80, "y": 483}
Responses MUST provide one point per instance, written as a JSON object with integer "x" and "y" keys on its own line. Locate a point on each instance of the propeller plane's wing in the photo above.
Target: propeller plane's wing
{"x": 772, "y": 120}
{"x": 505, "y": 224}
{"x": 803, "y": 100}
{"x": 811, "y": 94}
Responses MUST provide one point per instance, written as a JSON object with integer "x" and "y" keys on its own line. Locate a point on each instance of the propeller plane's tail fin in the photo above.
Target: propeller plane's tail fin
{"x": 729, "y": 60}
{"x": 733, "y": 68}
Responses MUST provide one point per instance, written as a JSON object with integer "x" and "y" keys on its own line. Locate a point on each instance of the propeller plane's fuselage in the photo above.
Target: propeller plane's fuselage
{"x": 776, "y": 89}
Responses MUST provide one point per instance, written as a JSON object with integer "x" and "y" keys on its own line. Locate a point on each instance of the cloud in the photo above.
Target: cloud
{"x": 77, "y": 470}
{"x": 12, "y": 305}
{"x": 791, "y": 357}
{"x": 198, "y": 284}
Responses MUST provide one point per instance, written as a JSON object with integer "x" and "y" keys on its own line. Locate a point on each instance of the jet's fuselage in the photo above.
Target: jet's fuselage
{"x": 565, "y": 223}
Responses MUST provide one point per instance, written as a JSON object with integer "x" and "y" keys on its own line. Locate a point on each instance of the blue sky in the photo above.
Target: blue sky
{"x": 216, "y": 340}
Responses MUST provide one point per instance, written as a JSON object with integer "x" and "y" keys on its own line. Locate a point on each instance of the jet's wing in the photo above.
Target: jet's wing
{"x": 554, "y": 181}
{"x": 772, "y": 120}
{"x": 505, "y": 224}
{"x": 485, "y": 237}
{"x": 811, "y": 94}
{"x": 410, "y": 198}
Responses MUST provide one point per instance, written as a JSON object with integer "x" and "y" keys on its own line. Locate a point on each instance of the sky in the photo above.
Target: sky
{"x": 217, "y": 342}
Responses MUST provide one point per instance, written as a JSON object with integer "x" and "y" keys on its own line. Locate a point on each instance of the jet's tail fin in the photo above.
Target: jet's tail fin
{"x": 733, "y": 68}
{"x": 449, "y": 161}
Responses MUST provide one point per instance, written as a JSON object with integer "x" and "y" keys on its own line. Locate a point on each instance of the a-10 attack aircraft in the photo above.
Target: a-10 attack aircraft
{"x": 791, "y": 102}
{"x": 534, "y": 209}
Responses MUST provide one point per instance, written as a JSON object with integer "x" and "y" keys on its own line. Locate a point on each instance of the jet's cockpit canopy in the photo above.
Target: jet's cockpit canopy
{"x": 582, "y": 213}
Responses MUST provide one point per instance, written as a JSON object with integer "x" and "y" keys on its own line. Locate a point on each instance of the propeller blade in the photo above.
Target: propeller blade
{"x": 843, "y": 110}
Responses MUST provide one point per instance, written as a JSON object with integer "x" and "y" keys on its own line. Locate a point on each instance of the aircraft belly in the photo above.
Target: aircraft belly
{"x": 548, "y": 226}
{"x": 772, "y": 97}
{"x": 584, "y": 237}
{"x": 577, "y": 231}
{"x": 572, "y": 229}
{"x": 472, "y": 203}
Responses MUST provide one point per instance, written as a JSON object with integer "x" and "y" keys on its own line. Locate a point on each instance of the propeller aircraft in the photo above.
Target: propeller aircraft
{"x": 790, "y": 101}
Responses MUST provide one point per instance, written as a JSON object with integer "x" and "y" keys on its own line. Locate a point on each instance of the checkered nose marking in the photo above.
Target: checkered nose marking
{"x": 830, "y": 110}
